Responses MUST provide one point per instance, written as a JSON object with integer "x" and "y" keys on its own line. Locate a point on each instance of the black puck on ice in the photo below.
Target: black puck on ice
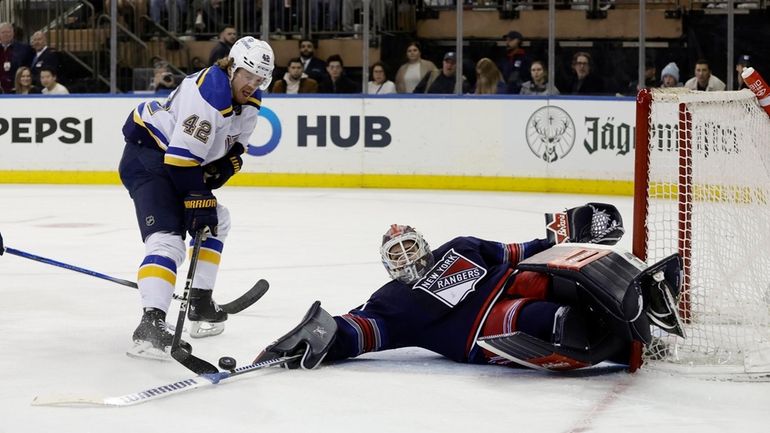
{"x": 227, "y": 363}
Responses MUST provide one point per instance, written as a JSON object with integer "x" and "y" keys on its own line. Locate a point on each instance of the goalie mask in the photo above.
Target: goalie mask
{"x": 405, "y": 254}
{"x": 255, "y": 56}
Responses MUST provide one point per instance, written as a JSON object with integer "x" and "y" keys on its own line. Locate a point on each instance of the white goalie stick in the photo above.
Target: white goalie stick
{"x": 158, "y": 392}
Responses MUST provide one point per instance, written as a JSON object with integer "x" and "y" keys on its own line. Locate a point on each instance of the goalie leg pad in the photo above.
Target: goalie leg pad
{"x": 312, "y": 338}
{"x": 576, "y": 340}
{"x": 603, "y": 278}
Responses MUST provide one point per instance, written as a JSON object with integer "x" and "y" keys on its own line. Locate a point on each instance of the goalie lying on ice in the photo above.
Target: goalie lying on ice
{"x": 534, "y": 304}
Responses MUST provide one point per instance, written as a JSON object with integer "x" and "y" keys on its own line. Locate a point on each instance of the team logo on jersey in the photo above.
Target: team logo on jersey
{"x": 550, "y": 133}
{"x": 451, "y": 279}
{"x": 149, "y": 221}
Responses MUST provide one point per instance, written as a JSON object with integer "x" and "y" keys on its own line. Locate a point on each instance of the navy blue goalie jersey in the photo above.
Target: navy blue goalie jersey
{"x": 443, "y": 311}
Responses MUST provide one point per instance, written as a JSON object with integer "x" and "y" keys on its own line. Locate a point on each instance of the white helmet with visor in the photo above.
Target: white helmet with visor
{"x": 255, "y": 56}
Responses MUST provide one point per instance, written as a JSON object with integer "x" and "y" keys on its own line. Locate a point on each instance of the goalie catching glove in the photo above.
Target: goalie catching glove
{"x": 312, "y": 339}
{"x": 594, "y": 223}
{"x": 220, "y": 171}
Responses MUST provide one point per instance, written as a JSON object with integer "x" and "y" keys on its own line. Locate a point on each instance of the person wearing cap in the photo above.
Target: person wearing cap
{"x": 704, "y": 80}
{"x": 744, "y": 61}
{"x": 669, "y": 76}
{"x": 515, "y": 64}
{"x": 442, "y": 80}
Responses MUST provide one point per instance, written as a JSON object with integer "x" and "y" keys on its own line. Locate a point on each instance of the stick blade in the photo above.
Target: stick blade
{"x": 68, "y": 401}
{"x": 192, "y": 362}
{"x": 247, "y": 299}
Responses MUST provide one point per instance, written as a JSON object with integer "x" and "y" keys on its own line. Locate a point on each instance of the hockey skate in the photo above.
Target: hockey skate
{"x": 661, "y": 283}
{"x": 206, "y": 317}
{"x": 152, "y": 339}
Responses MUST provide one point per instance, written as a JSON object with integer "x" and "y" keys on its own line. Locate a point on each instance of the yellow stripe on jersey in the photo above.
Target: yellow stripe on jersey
{"x": 155, "y": 271}
{"x": 138, "y": 120}
{"x": 202, "y": 77}
{"x": 179, "y": 162}
{"x": 254, "y": 102}
{"x": 227, "y": 112}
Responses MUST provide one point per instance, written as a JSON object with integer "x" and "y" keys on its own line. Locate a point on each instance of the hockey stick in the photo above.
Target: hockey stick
{"x": 162, "y": 391}
{"x": 233, "y": 307}
{"x": 185, "y": 357}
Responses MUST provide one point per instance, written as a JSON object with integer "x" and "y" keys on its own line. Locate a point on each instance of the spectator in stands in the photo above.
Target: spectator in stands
{"x": 295, "y": 80}
{"x": 44, "y": 56}
{"x": 337, "y": 82}
{"x": 515, "y": 64}
{"x": 538, "y": 85}
{"x": 176, "y": 10}
{"x": 583, "y": 81}
{"x": 443, "y": 80}
{"x": 744, "y": 61}
{"x": 650, "y": 79}
{"x": 210, "y": 15}
{"x": 415, "y": 68}
{"x": 349, "y": 7}
{"x": 324, "y": 14}
{"x": 227, "y": 37}
{"x": 379, "y": 84}
{"x": 12, "y": 56}
{"x": 23, "y": 84}
{"x": 50, "y": 84}
{"x": 489, "y": 80}
{"x": 669, "y": 76}
{"x": 314, "y": 67}
{"x": 163, "y": 81}
{"x": 703, "y": 79}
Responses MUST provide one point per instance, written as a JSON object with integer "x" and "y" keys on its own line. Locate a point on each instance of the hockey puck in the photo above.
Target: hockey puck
{"x": 227, "y": 362}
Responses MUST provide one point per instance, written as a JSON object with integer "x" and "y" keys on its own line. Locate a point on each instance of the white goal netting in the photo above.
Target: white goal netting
{"x": 708, "y": 198}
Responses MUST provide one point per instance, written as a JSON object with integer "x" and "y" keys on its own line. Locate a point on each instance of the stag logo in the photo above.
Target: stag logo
{"x": 550, "y": 133}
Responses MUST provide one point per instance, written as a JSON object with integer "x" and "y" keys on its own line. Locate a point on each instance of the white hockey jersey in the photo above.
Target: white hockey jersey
{"x": 199, "y": 122}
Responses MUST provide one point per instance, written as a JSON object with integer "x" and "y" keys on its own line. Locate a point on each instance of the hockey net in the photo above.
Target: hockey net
{"x": 702, "y": 189}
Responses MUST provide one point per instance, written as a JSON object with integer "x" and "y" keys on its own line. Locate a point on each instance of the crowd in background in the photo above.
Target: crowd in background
{"x": 37, "y": 68}
{"x": 513, "y": 73}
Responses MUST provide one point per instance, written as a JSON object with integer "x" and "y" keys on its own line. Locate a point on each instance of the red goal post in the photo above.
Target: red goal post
{"x": 702, "y": 189}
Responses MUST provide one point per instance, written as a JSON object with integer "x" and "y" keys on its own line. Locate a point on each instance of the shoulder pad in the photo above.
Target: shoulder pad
{"x": 214, "y": 87}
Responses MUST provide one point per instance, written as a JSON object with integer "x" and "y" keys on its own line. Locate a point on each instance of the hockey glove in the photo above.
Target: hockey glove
{"x": 311, "y": 339}
{"x": 220, "y": 171}
{"x": 595, "y": 223}
{"x": 200, "y": 212}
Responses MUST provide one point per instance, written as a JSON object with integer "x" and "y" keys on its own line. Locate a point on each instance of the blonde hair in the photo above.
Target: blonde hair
{"x": 488, "y": 77}
{"x": 225, "y": 63}
{"x": 17, "y": 82}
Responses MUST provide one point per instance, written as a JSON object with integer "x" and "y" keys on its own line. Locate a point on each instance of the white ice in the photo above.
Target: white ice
{"x": 66, "y": 333}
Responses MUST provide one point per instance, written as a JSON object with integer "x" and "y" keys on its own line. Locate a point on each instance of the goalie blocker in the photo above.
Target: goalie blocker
{"x": 312, "y": 338}
{"x": 609, "y": 298}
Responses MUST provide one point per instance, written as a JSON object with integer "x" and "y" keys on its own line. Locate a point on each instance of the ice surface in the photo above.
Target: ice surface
{"x": 66, "y": 333}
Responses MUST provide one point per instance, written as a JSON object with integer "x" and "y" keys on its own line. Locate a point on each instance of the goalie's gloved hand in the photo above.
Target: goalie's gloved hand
{"x": 217, "y": 173}
{"x": 311, "y": 339}
{"x": 200, "y": 212}
{"x": 595, "y": 223}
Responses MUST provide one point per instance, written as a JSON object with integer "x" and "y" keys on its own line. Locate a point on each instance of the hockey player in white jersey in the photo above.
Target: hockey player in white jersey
{"x": 176, "y": 153}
